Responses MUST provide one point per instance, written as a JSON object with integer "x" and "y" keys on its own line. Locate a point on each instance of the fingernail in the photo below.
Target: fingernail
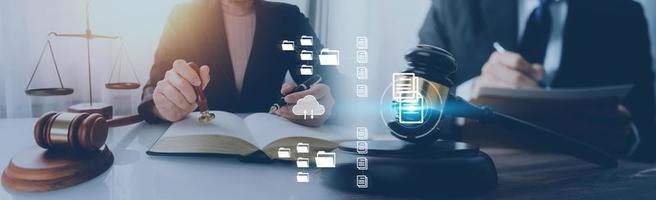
{"x": 289, "y": 98}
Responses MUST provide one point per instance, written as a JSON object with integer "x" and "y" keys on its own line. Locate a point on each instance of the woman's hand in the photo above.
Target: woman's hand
{"x": 320, "y": 91}
{"x": 174, "y": 96}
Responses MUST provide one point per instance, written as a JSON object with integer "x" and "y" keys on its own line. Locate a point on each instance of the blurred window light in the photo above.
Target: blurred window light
{"x": 142, "y": 18}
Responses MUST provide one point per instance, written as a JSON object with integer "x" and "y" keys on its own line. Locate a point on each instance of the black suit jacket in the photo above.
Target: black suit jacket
{"x": 605, "y": 42}
{"x": 195, "y": 32}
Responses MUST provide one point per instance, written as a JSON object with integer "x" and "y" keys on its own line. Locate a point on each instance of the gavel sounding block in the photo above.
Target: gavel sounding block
{"x": 40, "y": 170}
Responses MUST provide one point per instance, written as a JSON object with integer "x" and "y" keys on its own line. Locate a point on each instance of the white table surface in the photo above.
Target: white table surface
{"x": 136, "y": 175}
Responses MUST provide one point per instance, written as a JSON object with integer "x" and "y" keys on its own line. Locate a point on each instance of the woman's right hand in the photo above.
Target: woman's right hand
{"x": 174, "y": 96}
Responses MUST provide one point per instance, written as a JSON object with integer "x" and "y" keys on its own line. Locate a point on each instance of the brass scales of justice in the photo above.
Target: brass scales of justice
{"x": 88, "y": 35}
{"x": 71, "y": 145}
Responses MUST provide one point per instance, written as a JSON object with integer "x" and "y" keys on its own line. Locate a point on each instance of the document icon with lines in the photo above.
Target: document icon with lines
{"x": 361, "y": 91}
{"x": 404, "y": 86}
{"x": 362, "y": 163}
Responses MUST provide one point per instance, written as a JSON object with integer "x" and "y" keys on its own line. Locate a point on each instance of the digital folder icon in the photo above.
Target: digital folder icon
{"x": 284, "y": 152}
{"x": 329, "y": 57}
{"x": 287, "y": 45}
{"x": 325, "y": 159}
{"x": 306, "y": 55}
{"x": 302, "y": 147}
{"x": 307, "y": 70}
{"x": 306, "y": 40}
{"x": 302, "y": 162}
{"x": 302, "y": 177}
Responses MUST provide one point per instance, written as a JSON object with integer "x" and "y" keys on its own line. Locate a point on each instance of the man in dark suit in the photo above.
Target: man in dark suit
{"x": 552, "y": 43}
{"x": 238, "y": 44}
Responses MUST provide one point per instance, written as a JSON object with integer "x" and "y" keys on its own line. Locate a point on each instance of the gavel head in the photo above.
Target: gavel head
{"x": 74, "y": 132}
{"x": 432, "y": 63}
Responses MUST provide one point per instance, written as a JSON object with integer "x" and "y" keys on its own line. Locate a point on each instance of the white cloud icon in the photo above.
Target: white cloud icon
{"x": 308, "y": 105}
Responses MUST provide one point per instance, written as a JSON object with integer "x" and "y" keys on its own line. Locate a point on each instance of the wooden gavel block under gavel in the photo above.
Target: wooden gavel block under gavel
{"x": 70, "y": 150}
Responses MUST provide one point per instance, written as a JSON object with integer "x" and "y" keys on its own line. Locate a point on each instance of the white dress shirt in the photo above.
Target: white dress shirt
{"x": 559, "y": 9}
{"x": 554, "y": 47}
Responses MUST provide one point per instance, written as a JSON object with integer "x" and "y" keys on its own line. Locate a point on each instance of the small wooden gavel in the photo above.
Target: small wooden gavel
{"x": 201, "y": 100}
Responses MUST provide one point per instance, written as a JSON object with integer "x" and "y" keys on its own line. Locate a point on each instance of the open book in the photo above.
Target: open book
{"x": 254, "y": 135}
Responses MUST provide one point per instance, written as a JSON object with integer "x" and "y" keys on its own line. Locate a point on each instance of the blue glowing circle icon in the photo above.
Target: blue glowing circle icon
{"x": 405, "y": 101}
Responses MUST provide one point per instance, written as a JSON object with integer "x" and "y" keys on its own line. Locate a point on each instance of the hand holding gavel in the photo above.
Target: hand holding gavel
{"x": 175, "y": 96}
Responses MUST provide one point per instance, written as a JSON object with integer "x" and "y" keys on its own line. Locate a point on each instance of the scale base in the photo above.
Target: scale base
{"x": 105, "y": 110}
{"x": 401, "y": 168}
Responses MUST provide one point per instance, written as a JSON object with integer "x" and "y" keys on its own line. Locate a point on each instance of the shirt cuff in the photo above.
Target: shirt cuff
{"x": 464, "y": 91}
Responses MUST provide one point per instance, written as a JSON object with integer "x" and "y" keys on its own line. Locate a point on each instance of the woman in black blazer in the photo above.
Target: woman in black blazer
{"x": 238, "y": 42}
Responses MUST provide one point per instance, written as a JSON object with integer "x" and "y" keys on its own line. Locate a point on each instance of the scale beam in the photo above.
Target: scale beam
{"x": 83, "y": 35}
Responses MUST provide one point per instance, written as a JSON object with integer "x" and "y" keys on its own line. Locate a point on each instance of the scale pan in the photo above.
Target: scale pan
{"x": 122, "y": 86}
{"x": 49, "y": 91}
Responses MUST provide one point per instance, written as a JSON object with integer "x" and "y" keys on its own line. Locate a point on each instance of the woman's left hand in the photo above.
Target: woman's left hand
{"x": 323, "y": 95}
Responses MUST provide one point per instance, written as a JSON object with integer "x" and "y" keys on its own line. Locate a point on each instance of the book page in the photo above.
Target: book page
{"x": 227, "y": 133}
{"x": 225, "y": 123}
{"x": 267, "y": 128}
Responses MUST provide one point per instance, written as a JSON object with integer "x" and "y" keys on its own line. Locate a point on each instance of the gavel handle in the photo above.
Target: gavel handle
{"x": 124, "y": 121}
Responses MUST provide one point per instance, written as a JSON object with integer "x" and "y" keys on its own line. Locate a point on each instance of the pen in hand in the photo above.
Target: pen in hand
{"x": 301, "y": 87}
{"x": 500, "y": 49}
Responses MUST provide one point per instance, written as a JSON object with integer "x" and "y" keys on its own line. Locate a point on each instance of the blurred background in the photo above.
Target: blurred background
{"x": 390, "y": 25}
